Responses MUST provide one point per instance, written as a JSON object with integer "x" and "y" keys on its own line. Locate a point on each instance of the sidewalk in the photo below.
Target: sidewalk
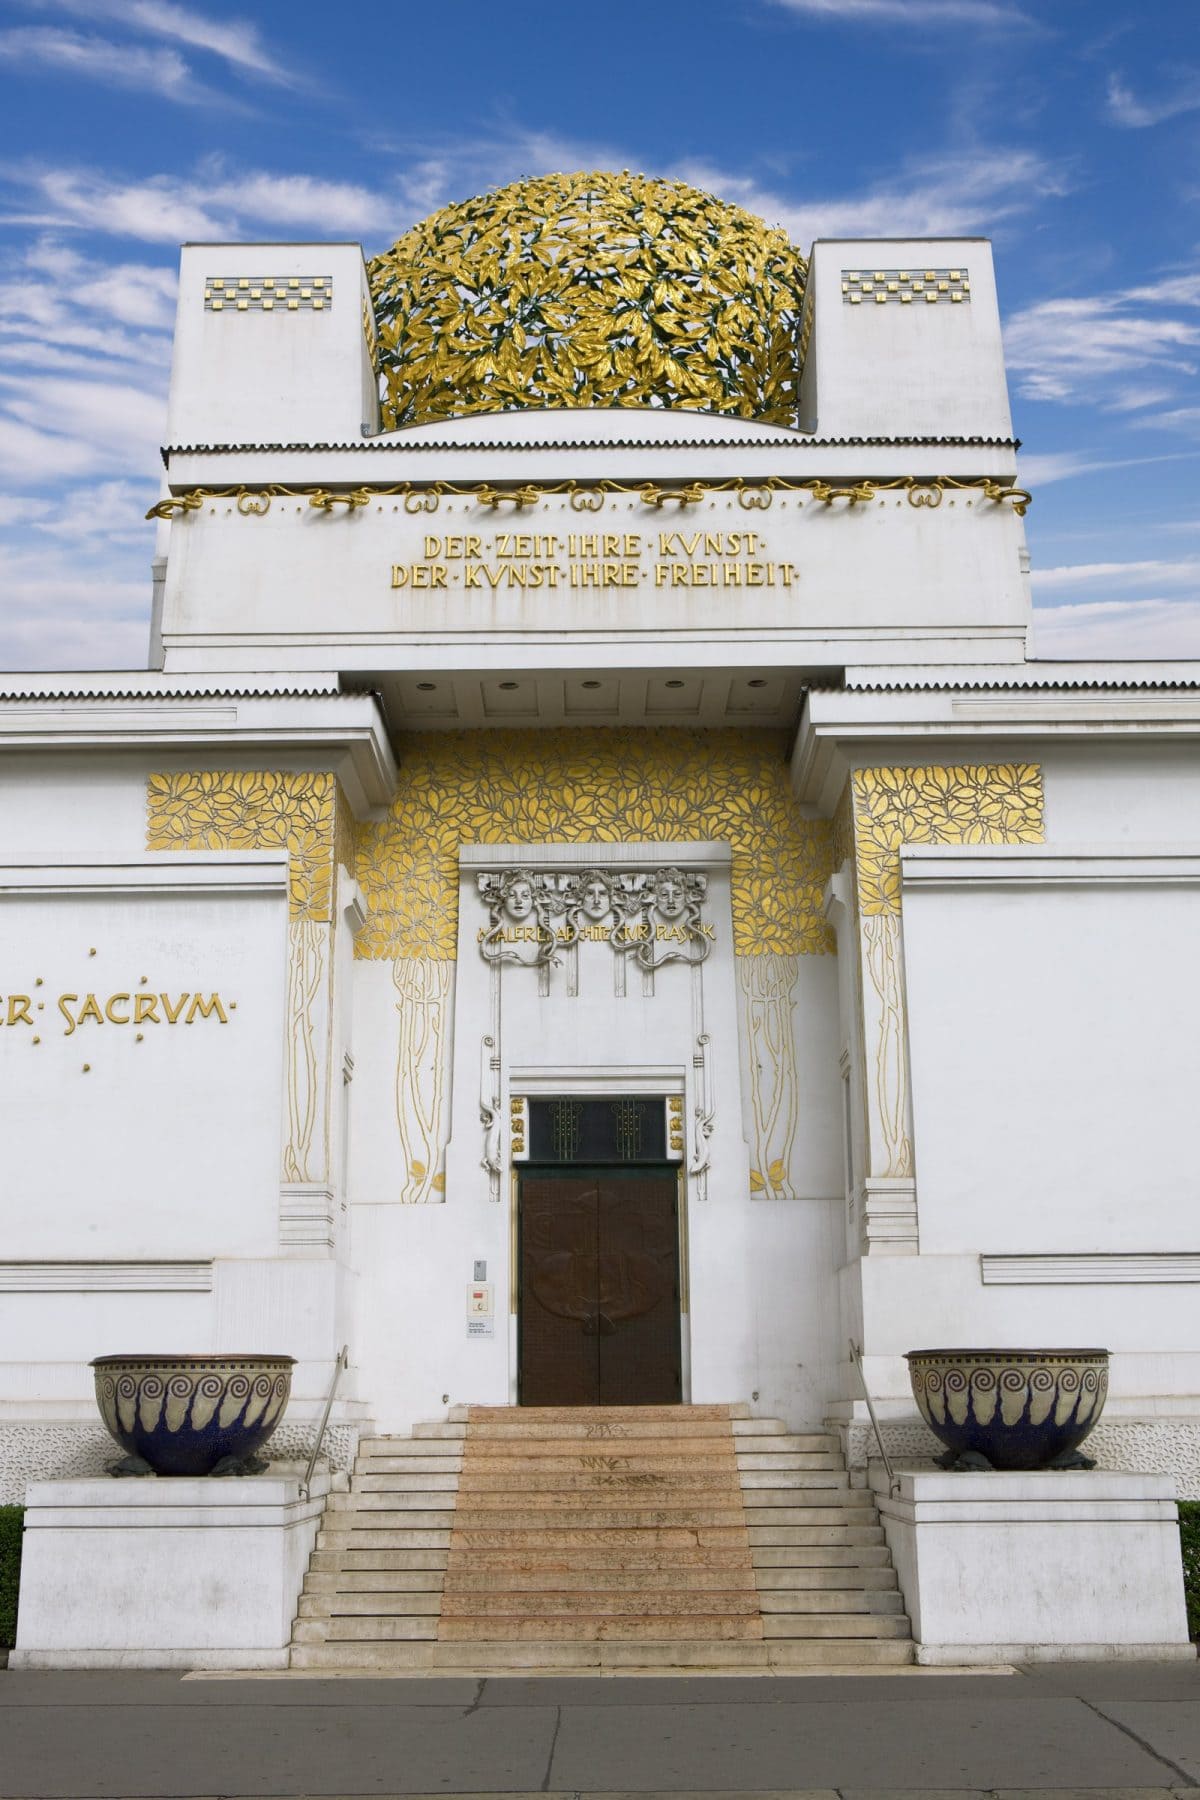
{"x": 1122, "y": 1731}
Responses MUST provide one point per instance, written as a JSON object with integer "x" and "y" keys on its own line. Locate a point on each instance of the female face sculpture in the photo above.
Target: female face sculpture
{"x": 518, "y": 898}
{"x": 669, "y": 897}
{"x": 595, "y": 897}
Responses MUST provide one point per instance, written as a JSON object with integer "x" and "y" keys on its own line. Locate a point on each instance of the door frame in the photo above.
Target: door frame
{"x": 649, "y": 1081}
{"x": 598, "y": 1171}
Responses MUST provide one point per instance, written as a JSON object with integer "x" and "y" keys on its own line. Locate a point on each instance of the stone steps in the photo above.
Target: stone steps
{"x": 597, "y": 1655}
{"x": 637, "y": 1537}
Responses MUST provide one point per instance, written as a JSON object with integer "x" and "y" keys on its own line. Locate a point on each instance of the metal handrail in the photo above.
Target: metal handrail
{"x": 343, "y": 1359}
{"x": 856, "y": 1358}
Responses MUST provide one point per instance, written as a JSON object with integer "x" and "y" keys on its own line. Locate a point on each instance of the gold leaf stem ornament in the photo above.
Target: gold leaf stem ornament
{"x": 922, "y": 490}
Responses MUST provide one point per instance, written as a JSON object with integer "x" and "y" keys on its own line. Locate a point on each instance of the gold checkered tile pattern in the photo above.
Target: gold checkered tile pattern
{"x": 268, "y": 293}
{"x": 924, "y": 287}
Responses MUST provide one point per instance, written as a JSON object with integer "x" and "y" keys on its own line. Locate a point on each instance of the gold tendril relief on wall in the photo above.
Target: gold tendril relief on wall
{"x": 592, "y": 786}
{"x": 269, "y": 809}
{"x": 589, "y": 289}
{"x": 973, "y": 803}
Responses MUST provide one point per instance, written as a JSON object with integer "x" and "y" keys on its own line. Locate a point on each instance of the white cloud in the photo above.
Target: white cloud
{"x": 945, "y": 196}
{"x": 51, "y": 427}
{"x": 908, "y": 12}
{"x": 1125, "y": 109}
{"x": 1063, "y": 465}
{"x": 217, "y": 203}
{"x": 1070, "y": 348}
{"x": 160, "y": 72}
{"x": 54, "y": 615}
{"x": 1109, "y": 575}
{"x": 238, "y": 42}
{"x": 1121, "y": 630}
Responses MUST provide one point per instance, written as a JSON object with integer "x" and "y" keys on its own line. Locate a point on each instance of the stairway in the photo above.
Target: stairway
{"x": 641, "y": 1537}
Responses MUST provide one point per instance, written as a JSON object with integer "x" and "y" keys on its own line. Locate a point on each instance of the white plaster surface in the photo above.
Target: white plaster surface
{"x": 998, "y": 1567}
{"x": 158, "y": 1572}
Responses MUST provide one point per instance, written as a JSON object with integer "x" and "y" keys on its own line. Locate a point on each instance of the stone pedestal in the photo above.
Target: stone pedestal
{"x": 163, "y": 1574}
{"x": 1003, "y": 1567}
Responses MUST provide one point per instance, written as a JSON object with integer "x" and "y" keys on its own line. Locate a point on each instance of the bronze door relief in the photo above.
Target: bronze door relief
{"x": 599, "y": 1286}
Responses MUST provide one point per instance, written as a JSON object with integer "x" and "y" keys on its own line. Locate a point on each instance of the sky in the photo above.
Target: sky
{"x": 1068, "y": 131}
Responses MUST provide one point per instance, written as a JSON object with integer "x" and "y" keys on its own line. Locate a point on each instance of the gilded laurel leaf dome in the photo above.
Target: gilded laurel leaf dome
{"x": 589, "y": 290}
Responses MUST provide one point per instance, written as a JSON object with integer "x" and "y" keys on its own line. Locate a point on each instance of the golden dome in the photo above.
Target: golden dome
{"x": 589, "y": 290}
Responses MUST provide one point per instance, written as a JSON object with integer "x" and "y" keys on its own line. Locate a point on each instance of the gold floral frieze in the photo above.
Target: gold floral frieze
{"x": 607, "y": 786}
{"x": 260, "y": 809}
{"x": 969, "y": 803}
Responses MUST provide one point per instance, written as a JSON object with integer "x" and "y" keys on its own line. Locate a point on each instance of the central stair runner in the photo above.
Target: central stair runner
{"x": 639, "y": 1537}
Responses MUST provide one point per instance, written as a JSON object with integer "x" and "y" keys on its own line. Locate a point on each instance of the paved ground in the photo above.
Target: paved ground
{"x": 1124, "y": 1732}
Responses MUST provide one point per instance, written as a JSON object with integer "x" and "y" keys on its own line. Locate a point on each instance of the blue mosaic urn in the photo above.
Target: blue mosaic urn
{"x": 192, "y": 1415}
{"x": 1010, "y": 1409}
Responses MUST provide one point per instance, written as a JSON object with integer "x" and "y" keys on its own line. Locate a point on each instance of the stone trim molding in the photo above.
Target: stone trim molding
{"x": 1041, "y": 865}
{"x": 106, "y": 1277}
{"x": 1090, "y": 1270}
{"x": 253, "y": 872}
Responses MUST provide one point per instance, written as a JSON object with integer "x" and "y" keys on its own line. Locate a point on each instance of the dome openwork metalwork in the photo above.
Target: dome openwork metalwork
{"x": 589, "y": 290}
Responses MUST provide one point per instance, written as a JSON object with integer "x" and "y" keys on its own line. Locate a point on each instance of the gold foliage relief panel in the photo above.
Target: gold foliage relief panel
{"x": 975, "y": 803}
{"x": 424, "y": 997}
{"x": 584, "y": 786}
{"x": 766, "y": 1006}
{"x": 270, "y": 809}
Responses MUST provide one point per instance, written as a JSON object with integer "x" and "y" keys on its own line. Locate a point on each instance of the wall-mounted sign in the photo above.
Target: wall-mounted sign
{"x": 481, "y": 1318}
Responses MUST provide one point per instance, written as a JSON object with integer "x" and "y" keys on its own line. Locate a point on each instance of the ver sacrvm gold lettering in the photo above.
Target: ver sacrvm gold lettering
{"x": 77, "y": 1010}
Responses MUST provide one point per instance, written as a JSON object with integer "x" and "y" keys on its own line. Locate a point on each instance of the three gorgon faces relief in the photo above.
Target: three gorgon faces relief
{"x": 651, "y": 917}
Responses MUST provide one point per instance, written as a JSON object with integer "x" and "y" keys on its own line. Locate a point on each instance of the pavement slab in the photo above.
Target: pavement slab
{"x": 1050, "y": 1732}
{"x": 853, "y": 1743}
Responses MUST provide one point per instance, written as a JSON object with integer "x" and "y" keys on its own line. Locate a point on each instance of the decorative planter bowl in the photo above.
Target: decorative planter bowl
{"x": 1010, "y": 1409}
{"x": 191, "y": 1415}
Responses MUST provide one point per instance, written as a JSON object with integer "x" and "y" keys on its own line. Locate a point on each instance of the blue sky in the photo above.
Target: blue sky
{"x": 1066, "y": 130}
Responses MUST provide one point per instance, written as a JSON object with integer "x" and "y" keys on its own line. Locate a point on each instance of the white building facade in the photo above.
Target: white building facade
{"x": 651, "y": 777}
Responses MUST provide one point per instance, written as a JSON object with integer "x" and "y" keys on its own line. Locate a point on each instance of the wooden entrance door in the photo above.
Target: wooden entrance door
{"x": 599, "y": 1259}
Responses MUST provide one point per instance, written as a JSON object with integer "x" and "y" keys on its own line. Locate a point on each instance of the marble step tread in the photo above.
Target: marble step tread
{"x": 644, "y": 1657}
{"x": 330, "y": 1631}
{"x": 783, "y": 1442}
{"x": 410, "y": 1448}
{"x": 475, "y": 1480}
{"x": 425, "y": 1481}
{"x": 427, "y": 1429}
{"x": 547, "y": 1628}
{"x": 375, "y": 1466}
{"x": 345, "y": 1541}
{"x": 602, "y": 1415}
{"x": 758, "y": 1458}
{"x": 821, "y": 1553}
{"x": 679, "y": 1561}
{"x": 836, "y": 1625}
{"x": 782, "y": 1533}
{"x": 374, "y": 1581}
{"x": 553, "y": 1452}
{"x": 612, "y": 1431}
{"x": 611, "y": 1512}
{"x": 398, "y": 1562}
{"x": 783, "y": 1510}
{"x": 331, "y": 1562}
{"x": 469, "y": 1580}
{"x": 643, "y": 1604}
{"x": 638, "y": 1537}
{"x": 881, "y": 1579}
{"x": 831, "y": 1600}
{"x": 353, "y": 1604}
{"x": 754, "y": 1480}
